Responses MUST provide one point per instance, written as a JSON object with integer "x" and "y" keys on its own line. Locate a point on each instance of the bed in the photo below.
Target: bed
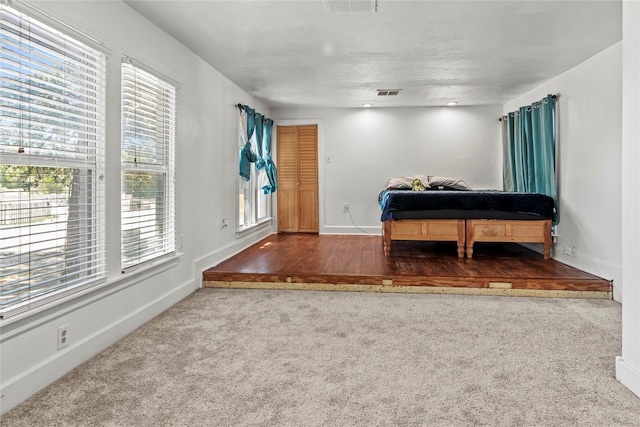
{"x": 466, "y": 217}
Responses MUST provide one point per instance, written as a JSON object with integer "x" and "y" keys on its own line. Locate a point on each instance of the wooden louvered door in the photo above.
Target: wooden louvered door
{"x": 298, "y": 179}
{"x": 287, "y": 166}
{"x": 308, "y": 179}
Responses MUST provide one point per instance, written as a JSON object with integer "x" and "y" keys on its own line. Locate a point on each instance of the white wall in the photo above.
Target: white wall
{"x": 366, "y": 147}
{"x": 206, "y": 193}
{"x": 589, "y": 140}
{"x": 628, "y": 365}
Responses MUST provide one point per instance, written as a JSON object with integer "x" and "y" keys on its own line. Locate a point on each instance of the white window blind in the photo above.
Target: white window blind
{"x": 148, "y": 166}
{"x": 52, "y": 137}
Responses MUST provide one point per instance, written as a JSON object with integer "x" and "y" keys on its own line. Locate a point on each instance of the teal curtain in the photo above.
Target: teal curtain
{"x": 270, "y": 167}
{"x": 507, "y": 138}
{"x": 251, "y": 120}
{"x": 261, "y": 127}
{"x": 529, "y": 148}
{"x": 259, "y": 119}
{"x": 247, "y": 156}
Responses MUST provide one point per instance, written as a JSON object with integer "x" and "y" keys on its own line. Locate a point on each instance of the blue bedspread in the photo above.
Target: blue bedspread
{"x": 405, "y": 204}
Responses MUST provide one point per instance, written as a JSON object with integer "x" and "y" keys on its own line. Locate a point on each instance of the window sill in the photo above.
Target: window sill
{"x": 254, "y": 228}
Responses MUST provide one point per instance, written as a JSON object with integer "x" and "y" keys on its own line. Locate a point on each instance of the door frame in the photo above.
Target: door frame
{"x": 274, "y": 148}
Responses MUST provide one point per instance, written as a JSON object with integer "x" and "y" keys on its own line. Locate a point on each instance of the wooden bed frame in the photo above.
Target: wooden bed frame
{"x": 467, "y": 232}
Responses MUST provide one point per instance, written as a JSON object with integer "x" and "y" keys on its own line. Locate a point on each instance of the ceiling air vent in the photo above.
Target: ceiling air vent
{"x": 350, "y": 6}
{"x": 388, "y": 92}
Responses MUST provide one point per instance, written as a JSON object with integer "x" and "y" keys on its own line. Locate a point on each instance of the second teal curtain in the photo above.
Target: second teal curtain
{"x": 529, "y": 147}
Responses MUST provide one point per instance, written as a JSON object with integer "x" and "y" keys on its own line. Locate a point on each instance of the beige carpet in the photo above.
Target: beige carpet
{"x": 297, "y": 358}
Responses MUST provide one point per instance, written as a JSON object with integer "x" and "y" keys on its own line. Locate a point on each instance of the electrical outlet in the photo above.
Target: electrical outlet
{"x": 345, "y": 207}
{"x": 570, "y": 251}
{"x": 63, "y": 336}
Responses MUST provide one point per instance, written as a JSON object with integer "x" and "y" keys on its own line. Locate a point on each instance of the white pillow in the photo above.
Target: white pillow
{"x": 445, "y": 183}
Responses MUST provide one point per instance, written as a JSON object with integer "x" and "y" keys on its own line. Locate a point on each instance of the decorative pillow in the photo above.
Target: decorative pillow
{"x": 445, "y": 183}
{"x": 406, "y": 182}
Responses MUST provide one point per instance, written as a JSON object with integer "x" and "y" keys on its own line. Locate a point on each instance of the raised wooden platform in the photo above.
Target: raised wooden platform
{"x": 358, "y": 263}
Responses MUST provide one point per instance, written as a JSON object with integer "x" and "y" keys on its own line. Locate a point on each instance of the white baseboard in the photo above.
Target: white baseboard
{"x": 628, "y": 375}
{"x": 22, "y": 386}
{"x": 15, "y": 390}
{"x": 344, "y": 229}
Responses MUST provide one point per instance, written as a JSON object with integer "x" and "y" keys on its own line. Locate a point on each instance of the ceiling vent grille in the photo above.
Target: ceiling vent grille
{"x": 388, "y": 92}
{"x": 350, "y": 6}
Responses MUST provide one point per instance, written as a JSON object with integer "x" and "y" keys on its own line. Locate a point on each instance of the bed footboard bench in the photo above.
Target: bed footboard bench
{"x": 518, "y": 231}
{"x": 447, "y": 230}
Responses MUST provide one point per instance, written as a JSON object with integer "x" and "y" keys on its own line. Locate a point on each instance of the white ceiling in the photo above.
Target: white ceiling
{"x": 307, "y": 53}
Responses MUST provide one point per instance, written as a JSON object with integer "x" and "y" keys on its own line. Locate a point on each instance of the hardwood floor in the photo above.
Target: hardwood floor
{"x": 358, "y": 263}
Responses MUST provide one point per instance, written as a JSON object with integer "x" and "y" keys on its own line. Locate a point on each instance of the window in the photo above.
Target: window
{"x": 52, "y": 138}
{"x": 148, "y": 145}
{"x": 254, "y": 206}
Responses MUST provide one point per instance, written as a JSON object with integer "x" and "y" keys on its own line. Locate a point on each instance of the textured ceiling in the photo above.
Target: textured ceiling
{"x": 306, "y": 53}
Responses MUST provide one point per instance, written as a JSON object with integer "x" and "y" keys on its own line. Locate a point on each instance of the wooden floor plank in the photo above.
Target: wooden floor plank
{"x": 360, "y": 260}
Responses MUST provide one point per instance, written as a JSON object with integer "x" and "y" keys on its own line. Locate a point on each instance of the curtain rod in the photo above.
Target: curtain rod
{"x": 242, "y": 107}
{"x": 554, "y": 97}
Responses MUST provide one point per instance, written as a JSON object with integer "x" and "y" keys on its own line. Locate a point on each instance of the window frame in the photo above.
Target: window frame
{"x": 161, "y": 165}
{"x": 66, "y": 130}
